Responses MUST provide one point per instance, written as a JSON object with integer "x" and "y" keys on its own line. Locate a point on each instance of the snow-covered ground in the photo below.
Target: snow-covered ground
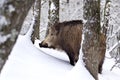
{"x": 29, "y": 62}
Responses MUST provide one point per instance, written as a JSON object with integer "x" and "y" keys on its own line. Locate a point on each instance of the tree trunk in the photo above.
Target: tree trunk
{"x": 94, "y": 45}
{"x": 12, "y": 15}
{"x": 36, "y": 29}
{"x": 53, "y": 13}
{"x": 106, "y": 17}
{"x": 67, "y": 1}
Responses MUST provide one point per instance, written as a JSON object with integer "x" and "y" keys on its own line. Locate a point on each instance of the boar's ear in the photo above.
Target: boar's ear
{"x": 57, "y": 27}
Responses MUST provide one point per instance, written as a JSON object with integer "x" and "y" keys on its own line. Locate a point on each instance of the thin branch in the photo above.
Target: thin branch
{"x": 114, "y": 46}
{"x": 114, "y": 66}
{"x": 43, "y": 2}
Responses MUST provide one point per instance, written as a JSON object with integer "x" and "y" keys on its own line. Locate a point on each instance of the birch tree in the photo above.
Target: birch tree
{"x": 12, "y": 15}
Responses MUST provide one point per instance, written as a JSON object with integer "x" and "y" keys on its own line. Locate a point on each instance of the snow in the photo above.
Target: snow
{"x": 1, "y": 3}
{"x": 71, "y": 11}
{"x": 52, "y": 7}
{"x": 11, "y": 8}
{"x": 30, "y": 62}
{"x": 3, "y": 21}
{"x": 27, "y": 62}
{"x": 28, "y": 34}
{"x": 3, "y": 38}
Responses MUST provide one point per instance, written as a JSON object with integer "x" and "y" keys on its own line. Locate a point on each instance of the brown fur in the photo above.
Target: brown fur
{"x": 66, "y": 36}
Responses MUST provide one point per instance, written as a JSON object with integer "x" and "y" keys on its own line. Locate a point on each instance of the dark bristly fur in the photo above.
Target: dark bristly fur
{"x": 66, "y": 36}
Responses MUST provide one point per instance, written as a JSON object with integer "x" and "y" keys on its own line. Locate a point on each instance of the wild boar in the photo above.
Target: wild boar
{"x": 66, "y": 36}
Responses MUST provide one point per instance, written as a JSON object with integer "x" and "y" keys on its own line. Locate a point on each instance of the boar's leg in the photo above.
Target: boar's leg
{"x": 70, "y": 52}
{"x": 71, "y": 56}
{"x": 71, "y": 60}
{"x": 100, "y": 66}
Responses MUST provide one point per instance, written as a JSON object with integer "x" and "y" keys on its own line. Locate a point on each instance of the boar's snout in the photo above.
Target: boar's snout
{"x": 43, "y": 44}
{"x": 46, "y": 45}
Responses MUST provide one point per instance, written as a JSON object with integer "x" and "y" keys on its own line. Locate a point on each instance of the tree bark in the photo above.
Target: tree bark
{"x": 36, "y": 29}
{"x": 53, "y": 13}
{"x": 106, "y": 17}
{"x": 67, "y": 1}
{"x": 94, "y": 45}
{"x": 13, "y": 12}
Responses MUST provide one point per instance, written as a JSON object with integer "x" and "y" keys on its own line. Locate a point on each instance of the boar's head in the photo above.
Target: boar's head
{"x": 51, "y": 41}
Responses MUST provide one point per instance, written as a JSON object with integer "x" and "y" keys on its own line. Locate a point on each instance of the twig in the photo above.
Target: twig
{"x": 114, "y": 66}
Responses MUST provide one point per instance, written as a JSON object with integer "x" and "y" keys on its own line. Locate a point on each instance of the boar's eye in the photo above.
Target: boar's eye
{"x": 51, "y": 34}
